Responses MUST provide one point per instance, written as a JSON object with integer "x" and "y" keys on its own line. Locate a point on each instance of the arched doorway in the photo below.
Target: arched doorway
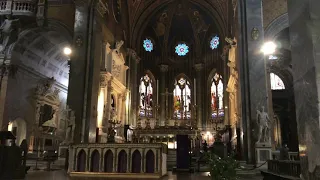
{"x": 95, "y": 161}
{"x": 81, "y": 161}
{"x": 108, "y": 161}
{"x": 150, "y": 159}
{"x": 122, "y": 162}
{"x": 18, "y": 129}
{"x": 136, "y": 162}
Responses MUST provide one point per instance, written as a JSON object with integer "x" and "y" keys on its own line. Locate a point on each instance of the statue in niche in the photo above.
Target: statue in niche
{"x": 264, "y": 126}
{"x": 70, "y": 127}
{"x": 9, "y": 32}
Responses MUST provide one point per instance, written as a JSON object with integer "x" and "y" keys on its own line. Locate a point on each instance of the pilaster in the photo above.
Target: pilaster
{"x": 162, "y": 90}
{"x": 304, "y": 26}
{"x": 199, "y": 94}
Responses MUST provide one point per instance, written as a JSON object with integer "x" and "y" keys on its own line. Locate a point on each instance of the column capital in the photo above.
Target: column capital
{"x": 133, "y": 54}
{"x": 103, "y": 81}
{"x": 199, "y": 67}
{"x": 164, "y": 67}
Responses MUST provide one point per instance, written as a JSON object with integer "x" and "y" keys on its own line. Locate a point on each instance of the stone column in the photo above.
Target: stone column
{"x": 304, "y": 25}
{"x": 199, "y": 88}
{"x": 3, "y": 91}
{"x": 119, "y": 107}
{"x": 134, "y": 85}
{"x": 253, "y": 76}
{"x": 162, "y": 91}
{"x": 108, "y": 103}
{"x": 84, "y": 72}
{"x": 124, "y": 108}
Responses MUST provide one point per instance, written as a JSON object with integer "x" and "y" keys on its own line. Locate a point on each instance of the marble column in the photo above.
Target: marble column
{"x": 304, "y": 25}
{"x": 3, "y": 91}
{"x": 162, "y": 91}
{"x": 199, "y": 94}
{"x": 134, "y": 85}
{"x": 252, "y": 75}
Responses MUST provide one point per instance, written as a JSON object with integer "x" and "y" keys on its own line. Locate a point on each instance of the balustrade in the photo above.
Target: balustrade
{"x": 18, "y": 7}
{"x": 285, "y": 167}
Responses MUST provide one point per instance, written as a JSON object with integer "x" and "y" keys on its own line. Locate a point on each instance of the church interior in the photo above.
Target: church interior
{"x": 121, "y": 88}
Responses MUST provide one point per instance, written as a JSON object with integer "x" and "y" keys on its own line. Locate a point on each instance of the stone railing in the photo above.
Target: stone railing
{"x": 293, "y": 156}
{"x": 118, "y": 160}
{"x": 18, "y": 7}
{"x": 287, "y": 168}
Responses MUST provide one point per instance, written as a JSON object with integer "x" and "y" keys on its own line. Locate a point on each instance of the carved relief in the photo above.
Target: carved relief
{"x": 161, "y": 24}
{"x": 102, "y": 7}
{"x": 164, "y": 68}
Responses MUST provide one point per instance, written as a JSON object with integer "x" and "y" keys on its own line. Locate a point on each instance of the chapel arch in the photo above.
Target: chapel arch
{"x": 19, "y": 129}
{"x": 81, "y": 161}
{"x": 108, "y": 161}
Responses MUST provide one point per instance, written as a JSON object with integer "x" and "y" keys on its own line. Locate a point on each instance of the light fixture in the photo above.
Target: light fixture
{"x": 67, "y": 51}
{"x": 268, "y": 48}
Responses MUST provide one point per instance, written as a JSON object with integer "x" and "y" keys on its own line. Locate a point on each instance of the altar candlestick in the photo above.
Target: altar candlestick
{"x": 194, "y": 87}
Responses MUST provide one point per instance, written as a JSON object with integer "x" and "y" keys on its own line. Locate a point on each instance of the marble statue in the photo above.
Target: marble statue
{"x": 70, "y": 128}
{"x": 129, "y": 134}
{"x": 264, "y": 126}
{"x": 9, "y": 32}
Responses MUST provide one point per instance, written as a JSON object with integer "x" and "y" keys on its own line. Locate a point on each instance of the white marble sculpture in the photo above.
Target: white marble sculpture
{"x": 264, "y": 126}
{"x": 9, "y": 32}
{"x": 129, "y": 134}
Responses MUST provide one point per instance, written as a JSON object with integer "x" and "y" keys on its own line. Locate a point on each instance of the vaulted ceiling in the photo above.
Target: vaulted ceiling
{"x": 169, "y": 21}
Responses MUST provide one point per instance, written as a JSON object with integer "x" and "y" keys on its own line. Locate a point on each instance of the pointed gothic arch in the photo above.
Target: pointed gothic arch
{"x": 182, "y": 97}
{"x": 147, "y": 90}
{"x": 216, "y": 94}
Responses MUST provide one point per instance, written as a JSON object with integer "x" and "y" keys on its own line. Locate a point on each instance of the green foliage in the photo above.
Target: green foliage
{"x": 222, "y": 168}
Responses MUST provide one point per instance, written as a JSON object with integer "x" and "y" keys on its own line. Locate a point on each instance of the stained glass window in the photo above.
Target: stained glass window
{"x": 214, "y": 43}
{"x": 276, "y": 82}
{"x": 182, "y": 49}
{"x": 182, "y": 99}
{"x": 148, "y": 45}
{"x": 146, "y": 96}
{"x": 217, "y": 109}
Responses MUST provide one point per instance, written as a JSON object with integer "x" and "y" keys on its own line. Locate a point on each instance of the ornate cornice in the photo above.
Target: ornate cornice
{"x": 163, "y": 68}
{"x": 199, "y": 67}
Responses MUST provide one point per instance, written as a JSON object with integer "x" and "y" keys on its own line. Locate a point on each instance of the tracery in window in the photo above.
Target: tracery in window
{"x": 182, "y": 99}
{"x": 214, "y": 43}
{"x": 148, "y": 45}
{"x": 276, "y": 82}
{"x": 146, "y": 96}
{"x": 182, "y": 49}
{"x": 217, "y": 109}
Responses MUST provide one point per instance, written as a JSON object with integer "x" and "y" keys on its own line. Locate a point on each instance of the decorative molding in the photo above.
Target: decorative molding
{"x": 276, "y": 26}
{"x": 102, "y": 8}
{"x": 255, "y": 33}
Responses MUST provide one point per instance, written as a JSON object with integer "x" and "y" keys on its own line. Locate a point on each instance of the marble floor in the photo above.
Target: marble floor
{"x": 61, "y": 175}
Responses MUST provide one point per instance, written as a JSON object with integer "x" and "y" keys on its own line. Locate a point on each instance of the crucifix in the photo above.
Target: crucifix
{"x": 166, "y": 95}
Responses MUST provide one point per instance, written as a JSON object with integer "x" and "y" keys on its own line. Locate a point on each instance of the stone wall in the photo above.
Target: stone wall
{"x": 273, "y": 9}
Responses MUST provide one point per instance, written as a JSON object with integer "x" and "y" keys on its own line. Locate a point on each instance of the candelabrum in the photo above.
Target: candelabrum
{"x": 216, "y": 121}
{"x": 194, "y": 123}
{"x": 157, "y": 116}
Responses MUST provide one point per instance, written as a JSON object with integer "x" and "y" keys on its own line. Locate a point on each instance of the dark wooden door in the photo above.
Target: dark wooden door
{"x": 183, "y": 148}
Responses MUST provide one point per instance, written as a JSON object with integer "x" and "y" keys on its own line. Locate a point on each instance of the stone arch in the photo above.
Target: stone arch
{"x": 41, "y": 49}
{"x": 136, "y": 162}
{"x": 95, "y": 161}
{"x": 108, "y": 161}
{"x": 150, "y": 161}
{"x": 81, "y": 161}
{"x": 276, "y": 26}
{"x": 122, "y": 161}
{"x": 19, "y": 129}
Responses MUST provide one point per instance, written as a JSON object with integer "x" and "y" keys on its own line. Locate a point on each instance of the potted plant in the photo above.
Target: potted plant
{"x": 222, "y": 168}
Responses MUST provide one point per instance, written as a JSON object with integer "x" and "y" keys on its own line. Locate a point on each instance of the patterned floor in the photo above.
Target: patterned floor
{"x": 61, "y": 175}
